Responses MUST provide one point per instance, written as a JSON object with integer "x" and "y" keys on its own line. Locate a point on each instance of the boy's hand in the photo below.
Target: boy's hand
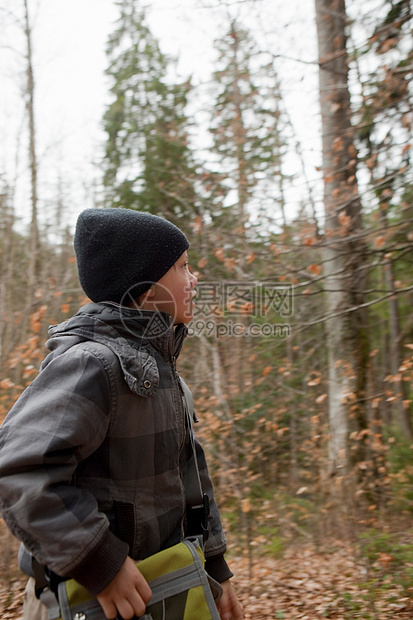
{"x": 127, "y": 594}
{"x": 228, "y": 605}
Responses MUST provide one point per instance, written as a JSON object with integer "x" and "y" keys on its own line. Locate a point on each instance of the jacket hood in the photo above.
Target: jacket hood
{"x": 130, "y": 333}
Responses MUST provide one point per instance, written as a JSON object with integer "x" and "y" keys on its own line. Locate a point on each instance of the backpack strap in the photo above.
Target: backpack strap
{"x": 198, "y": 509}
{"x": 43, "y": 591}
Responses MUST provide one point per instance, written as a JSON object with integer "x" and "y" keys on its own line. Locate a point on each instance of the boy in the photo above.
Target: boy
{"x": 92, "y": 453}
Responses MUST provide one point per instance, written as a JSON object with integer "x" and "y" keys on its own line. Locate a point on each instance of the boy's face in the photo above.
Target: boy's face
{"x": 173, "y": 293}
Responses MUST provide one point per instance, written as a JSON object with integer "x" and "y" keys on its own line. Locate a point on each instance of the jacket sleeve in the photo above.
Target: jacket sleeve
{"x": 60, "y": 419}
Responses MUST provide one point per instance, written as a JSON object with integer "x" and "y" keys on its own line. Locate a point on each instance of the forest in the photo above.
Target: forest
{"x": 300, "y": 354}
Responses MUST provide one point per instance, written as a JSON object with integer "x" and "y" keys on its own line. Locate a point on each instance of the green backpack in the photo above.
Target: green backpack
{"x": 181, "y": 589}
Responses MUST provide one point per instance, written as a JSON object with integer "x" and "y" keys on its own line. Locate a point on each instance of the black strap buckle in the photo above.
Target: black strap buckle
{"x": 197, "y": 519}
{"x": 40, "y": 576}
{"x": 205, "y": 516}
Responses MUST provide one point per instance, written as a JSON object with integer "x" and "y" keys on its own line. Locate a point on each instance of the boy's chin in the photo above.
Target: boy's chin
{"x": 187, "y": 318}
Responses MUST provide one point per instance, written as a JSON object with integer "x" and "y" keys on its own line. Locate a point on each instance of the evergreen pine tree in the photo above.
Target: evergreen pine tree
{"x": 247, "y": 123}
{"x": 148, "y": 161}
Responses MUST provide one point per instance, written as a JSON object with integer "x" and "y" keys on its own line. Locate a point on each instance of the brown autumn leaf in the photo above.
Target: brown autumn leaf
{"x": 6, "y": 384}
{"x": 338, "y": 144}
{"x": 202, "y": 262}
{"x": 230, "y": 263}
{"x": 197, "y": 225}
{"x": 315, "y": 269}
{"x": 380, "y": 241}
{"x": 309, "y": 241}
{"x": 315, "y": 379}
{"x": 220, "y": 254}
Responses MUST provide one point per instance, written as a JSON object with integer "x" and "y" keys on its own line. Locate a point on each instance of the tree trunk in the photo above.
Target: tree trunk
{"x": 399, "y": 387}
{"x": 344, "y": 264}
{"x": 240, "y": 138}
{"x": 34, "y": 231}
{"x": 6, "y": 274}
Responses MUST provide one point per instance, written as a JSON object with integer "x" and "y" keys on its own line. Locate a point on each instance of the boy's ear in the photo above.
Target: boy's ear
{"x": 146, "y": 295}
{"x": 149, "y": 293}
{"x": 142, "y": 298}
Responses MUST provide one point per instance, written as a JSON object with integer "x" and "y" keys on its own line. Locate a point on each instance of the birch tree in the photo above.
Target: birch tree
{"x": 344, "y": 261}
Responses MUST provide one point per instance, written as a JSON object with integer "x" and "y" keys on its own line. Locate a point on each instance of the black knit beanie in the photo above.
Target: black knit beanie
{"x": 122, "y": 251}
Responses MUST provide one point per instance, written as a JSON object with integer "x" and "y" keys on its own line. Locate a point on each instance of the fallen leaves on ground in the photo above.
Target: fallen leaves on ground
{"x": 11, "y": 598}
{"x": 310, "y": 583}
{"x": 307, "y": 583}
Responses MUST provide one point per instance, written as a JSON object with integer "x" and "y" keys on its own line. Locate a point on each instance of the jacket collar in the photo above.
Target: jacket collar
{"x": 142, "y": 327}
{"x": 129, "y": 333}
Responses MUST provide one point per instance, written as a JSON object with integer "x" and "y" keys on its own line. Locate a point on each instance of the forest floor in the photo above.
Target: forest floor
{"x": 306, "y": 583}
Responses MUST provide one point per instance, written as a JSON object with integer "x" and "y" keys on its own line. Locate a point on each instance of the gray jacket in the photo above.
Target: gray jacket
{"x": 92, "y": 455}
